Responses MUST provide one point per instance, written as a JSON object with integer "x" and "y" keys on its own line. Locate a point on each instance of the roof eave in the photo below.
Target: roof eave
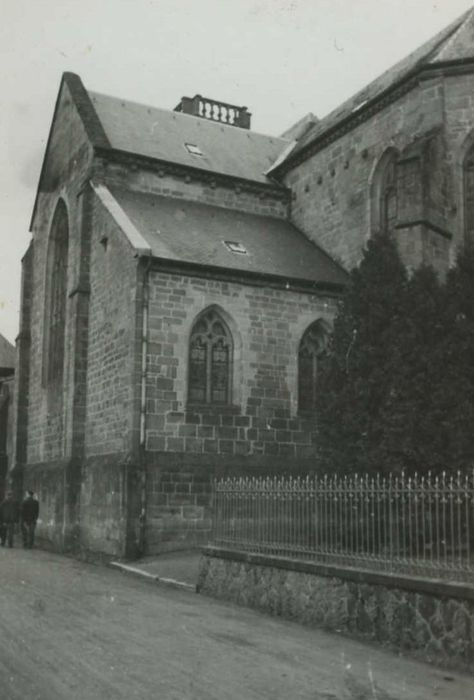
{"x": 281, "y": 281}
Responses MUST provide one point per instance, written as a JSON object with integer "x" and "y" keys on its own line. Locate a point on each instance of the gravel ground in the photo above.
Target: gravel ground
{"x": 73, "y": 631}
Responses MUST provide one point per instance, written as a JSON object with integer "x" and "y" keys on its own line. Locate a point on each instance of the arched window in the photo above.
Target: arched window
{"x": 469, "y": 195}
{"x": 313, "y": 344}
{"x": 56, "y": 294}
{"x": 385, "y": 194}
{"x": 388, "y": 196}
{"x": 210, "y": 360}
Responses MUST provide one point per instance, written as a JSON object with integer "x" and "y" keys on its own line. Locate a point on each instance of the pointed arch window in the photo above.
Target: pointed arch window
{"x": 384, "y": 194}
{"x": 469, "y": 195}
{"x": 210, "y": 360}
{"x": 312, "y": 346}
{"x": 56, "y": 296}
{"x": 389, "y": 196}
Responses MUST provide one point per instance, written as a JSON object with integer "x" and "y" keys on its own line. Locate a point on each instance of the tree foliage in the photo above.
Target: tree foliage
{"x": 396, "y": 389}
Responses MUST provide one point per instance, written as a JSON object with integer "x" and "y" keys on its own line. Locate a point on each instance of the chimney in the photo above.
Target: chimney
{"x": 216, "y": 111}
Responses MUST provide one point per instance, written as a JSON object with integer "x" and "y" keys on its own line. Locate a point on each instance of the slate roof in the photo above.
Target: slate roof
{"x": 191, "y": 232}
{"x": 7, "y": 354}
{"x": 454, "y": 43}
{"x": 162, "y": 134}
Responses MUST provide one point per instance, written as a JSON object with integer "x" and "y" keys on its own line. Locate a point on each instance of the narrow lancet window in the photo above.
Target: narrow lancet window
{"x": 388, "y": 196}
{"x": 56, "y": 296}
{"x": 313, "y": 344}
{"x": 210, "y": 360}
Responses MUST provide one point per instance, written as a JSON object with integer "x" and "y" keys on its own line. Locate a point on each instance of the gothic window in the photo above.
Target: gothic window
{"x": 210, "y": 360}
{"x": 311, "y": 348}
{"x": 469, "y": 195}
{"x": 388, "y": 196}
{"x": 384, "y": 194}
{"x": 56, "y": 294}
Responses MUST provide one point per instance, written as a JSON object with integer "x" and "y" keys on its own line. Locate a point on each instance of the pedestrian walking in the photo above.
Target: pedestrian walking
{"x": 9, "y": 516}
{"x": 29, "y": 516}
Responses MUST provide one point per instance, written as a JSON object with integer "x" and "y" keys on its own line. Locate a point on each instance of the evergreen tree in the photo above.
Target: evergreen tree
{"x": 412, "y": 417}
{"x": 357, "y": 376}
{"x": 455, "y": 393}
{"x": 396, "y": 389}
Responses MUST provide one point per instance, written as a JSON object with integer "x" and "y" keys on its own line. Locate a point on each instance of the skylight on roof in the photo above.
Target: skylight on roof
{"x": 235, "y": 247}
{"x": 359, "y": 106}
{"x": 193, "y": 149}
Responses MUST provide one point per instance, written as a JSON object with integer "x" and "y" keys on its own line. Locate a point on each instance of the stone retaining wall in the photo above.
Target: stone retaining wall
{"x": 432, "y": 619}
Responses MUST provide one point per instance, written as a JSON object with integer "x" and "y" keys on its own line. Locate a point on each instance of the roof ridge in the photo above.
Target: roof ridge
{"x": 447, "y": 41}
{"x": 183, "y": 115}
{"x": 395, "y": 75}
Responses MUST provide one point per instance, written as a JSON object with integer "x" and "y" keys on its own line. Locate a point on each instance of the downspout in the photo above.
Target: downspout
{"x": 143, "y": 379}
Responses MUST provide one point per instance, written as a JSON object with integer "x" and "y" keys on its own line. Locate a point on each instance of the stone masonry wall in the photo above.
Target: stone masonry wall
{"x": 332, "y": 189}
{"x": 459, "y": 116}
{"x": 266, "y": 201}
{"x": 46, "y": 431}
{"x": 69, "y": 160}
{"x": 260, "y": 430}
{"x": 111, "y": 346}
{"x": 436, "y": 626}
{"x": 77, "y": 448}
{"x": 109, "y": 415}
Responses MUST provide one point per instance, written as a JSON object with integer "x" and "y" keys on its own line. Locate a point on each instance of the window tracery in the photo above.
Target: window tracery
{"x": 210, "y": 360}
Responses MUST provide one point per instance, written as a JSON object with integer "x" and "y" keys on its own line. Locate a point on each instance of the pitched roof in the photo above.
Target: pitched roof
{"x": 163, "y": 134}
{"x": 452, "y": 44}
{"x": 7, "y": 354}
{"x": 195, "y": 233}
{"x": 112, "y": 123}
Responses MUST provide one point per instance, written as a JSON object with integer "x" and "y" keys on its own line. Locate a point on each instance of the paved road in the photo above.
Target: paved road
{"x": 71, "y": 631}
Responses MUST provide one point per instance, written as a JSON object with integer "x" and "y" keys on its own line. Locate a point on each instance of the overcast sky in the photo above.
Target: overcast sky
{"x": 281, "y": 58}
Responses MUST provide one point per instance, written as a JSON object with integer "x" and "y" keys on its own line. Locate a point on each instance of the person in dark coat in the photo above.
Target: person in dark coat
{"x": 29, "y": 516}
{"x": 9, "y": 516}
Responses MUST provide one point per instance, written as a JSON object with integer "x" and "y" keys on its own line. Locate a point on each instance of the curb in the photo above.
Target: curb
{"x": 141, "y": 573}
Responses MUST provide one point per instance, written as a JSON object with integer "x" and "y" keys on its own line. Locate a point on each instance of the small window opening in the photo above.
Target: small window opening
{"x": 235, "y": 247}
{"x": 193, "y": 149}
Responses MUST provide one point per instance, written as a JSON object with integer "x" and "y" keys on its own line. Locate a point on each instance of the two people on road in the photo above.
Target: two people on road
{"x": 11, "y": 513}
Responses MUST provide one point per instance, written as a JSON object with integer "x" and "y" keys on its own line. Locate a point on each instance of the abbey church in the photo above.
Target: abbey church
{"x": 182, "y": 279}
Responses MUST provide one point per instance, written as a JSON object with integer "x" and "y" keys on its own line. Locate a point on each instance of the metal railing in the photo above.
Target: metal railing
{"x": 417, "y": 525}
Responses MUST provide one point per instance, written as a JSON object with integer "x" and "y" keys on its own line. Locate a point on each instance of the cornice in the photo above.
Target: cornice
{"x": 247, "y": 277}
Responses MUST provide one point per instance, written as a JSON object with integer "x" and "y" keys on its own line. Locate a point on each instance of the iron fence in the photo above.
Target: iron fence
{"x": 418, "y": 525}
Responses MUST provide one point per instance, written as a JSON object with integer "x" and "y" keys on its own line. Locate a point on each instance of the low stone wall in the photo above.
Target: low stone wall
{"x": 432, "y": 619}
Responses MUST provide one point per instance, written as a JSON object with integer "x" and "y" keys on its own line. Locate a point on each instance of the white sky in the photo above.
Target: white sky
{"x": 281, "y": 58}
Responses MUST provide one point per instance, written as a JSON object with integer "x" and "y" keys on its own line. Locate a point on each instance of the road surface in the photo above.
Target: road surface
{"x": 74, "y": 631}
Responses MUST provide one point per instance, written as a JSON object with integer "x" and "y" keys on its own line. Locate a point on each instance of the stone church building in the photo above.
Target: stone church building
{"x": 183, "y": 275}
{"x": 7, "y": 379}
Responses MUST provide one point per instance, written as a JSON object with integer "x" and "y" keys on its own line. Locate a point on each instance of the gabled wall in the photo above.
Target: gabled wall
{"x": 66, "y": 168}
{"x": 76, "y": 452}
{"x": 333, "y": 188}
{"x": 46, "y": 449}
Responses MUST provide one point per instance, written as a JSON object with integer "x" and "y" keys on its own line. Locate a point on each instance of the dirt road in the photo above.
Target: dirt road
{"x": 71, "y": 631}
